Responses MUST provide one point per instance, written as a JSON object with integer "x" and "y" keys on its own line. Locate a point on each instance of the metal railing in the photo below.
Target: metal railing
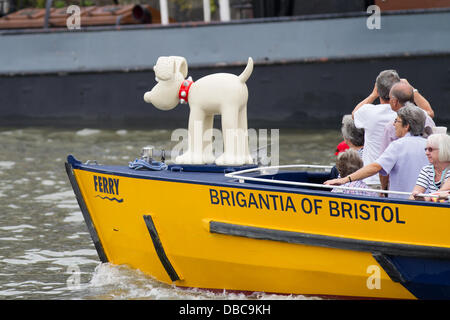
{"x": 239, "y": 175}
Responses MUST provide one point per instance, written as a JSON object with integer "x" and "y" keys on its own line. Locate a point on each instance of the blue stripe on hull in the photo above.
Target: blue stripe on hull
{"x": 425, "y": 278}
{"x": 205, "y": 177}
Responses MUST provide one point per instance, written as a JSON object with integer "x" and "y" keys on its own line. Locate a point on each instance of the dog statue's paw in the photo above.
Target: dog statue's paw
{"x": 189, "y": 158}
{"x": 229, "y": 160}
{"x": 249, "y": 159}
{"x": 209, "y": 157}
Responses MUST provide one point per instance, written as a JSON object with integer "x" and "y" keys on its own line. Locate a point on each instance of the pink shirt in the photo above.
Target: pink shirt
{"x": 389, "y": 132}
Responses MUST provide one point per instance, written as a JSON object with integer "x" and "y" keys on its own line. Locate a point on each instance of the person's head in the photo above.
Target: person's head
{"x": 348, "y": 162}
{"x": 438, "y": 148}
{"x": 351, "y": 134}
{"x": 385, "y": 80}
{"x": 401, "y": 92}
{"x": 410, "y": 119}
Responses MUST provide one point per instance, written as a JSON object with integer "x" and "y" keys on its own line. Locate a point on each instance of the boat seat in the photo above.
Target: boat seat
{"x": 297, "y": 176}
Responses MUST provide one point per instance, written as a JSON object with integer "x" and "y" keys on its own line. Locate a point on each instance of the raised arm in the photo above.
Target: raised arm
{"x": 370, "y": 99}
{"x": 421, "y": 102}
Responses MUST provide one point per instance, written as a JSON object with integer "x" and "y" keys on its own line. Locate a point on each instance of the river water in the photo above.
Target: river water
{"x": 46, "y": 251}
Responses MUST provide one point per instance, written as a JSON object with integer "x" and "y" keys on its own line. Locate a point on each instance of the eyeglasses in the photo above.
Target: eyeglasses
{"x": 429, "y": 149}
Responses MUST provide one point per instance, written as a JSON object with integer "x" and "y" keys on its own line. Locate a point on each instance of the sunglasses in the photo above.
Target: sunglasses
{"x": 429, "y": 149}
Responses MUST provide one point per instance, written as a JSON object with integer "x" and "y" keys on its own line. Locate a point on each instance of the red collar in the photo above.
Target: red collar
{"x": 183, "y": 93}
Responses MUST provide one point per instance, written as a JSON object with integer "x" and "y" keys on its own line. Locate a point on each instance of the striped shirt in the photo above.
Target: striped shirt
{"x": 426, "y": 178}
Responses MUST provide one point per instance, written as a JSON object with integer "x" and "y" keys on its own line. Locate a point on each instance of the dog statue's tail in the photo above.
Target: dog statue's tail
{"x": 247, "y": 71}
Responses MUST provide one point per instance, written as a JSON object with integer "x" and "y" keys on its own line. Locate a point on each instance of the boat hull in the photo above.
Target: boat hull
{"x": 205, "y": 231}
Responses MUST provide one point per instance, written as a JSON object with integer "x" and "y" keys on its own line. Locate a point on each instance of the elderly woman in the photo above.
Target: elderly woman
{"x": 403, "y": 159}
{"x": 434, "y": 175}
{"x": 353, "y": 139}
{"x": 353, "y": 136}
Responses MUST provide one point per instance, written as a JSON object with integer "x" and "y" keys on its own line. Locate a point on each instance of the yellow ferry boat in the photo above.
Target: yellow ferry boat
{"x": 220, "y": 228}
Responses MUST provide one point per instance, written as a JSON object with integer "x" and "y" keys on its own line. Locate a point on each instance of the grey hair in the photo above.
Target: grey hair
{"x": 350, "y": 132}
{"x": 410, "y": 104}
{"x": 348, "y": 162}
{"x": 414, "y": 116}
{"x": 385, "y": 80}
{"x": 441, "y": 141}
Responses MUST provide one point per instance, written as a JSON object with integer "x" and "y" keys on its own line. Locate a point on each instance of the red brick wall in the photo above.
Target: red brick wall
{"x": 386, "y": 5}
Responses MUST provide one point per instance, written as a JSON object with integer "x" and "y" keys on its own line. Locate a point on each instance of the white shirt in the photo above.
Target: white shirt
{"x": 373, "y": 119}
{"x": 403, "y": 160}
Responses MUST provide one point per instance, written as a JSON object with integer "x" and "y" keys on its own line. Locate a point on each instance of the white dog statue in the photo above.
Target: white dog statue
{"x": 220, "y": 93}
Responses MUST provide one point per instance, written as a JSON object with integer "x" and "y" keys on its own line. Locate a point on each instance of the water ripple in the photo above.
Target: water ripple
{"x": 45, "y": 246}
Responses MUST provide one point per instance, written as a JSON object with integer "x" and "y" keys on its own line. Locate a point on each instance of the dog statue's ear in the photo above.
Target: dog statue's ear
{"x": 167, "y": 67}
{"x": 164, "y": 68}
{"x": 181, "y": 65}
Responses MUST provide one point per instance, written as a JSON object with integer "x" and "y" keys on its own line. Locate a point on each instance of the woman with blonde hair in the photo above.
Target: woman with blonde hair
{"x": 434, "y": 175}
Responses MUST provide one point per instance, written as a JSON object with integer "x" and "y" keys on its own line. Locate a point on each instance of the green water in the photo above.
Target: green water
{"x": 45, "y": 249}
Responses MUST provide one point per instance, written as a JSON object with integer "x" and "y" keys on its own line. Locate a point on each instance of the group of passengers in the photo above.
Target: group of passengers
{"x": 394, "y": 145}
